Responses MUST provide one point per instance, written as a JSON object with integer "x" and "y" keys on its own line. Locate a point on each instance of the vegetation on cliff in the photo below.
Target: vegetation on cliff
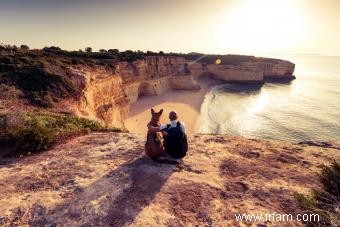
{"x": 40, "y": 86}
{"x": 228, "y": 59}
{"x": 41, "y": 76}
{"x": 28, "y": 132}
{"x": 324, "y": 201}
{"x": 44, "y": 76}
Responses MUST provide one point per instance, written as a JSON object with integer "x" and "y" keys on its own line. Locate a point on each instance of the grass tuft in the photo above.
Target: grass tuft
{"x": 325, "y": 201}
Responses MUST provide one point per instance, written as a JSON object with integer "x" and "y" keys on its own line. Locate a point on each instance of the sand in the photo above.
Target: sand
{"x": 186, "y": 103}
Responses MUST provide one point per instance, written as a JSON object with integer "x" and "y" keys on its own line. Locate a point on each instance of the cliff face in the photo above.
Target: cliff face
{"x": 280, "y": 70}
{"x": 107, "y": 94}
{"x": 151, "y": 67}
{"x": 155, "y": 75}
{"x": 149, "y": 76}
{"x": 102, "y": 98}
{"x": 227, "y": 73}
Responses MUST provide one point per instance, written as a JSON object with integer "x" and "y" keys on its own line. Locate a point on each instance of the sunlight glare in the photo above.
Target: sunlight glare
{"x": 261, "y": 25}
{"x": 259, "y": 104}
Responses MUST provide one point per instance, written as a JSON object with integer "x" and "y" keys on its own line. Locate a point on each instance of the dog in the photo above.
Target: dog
{"x": 154, "y": 146}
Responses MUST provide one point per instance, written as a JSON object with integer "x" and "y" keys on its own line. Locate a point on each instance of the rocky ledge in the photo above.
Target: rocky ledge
{"x": 104, "y": 179}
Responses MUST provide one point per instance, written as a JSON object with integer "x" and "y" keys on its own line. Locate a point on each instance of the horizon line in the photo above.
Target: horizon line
{"x": 174, "y": 52}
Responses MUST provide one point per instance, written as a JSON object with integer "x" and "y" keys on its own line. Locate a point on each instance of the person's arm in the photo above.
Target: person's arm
{"x": 153, "y": 129}
{"x": 163, "y": 127}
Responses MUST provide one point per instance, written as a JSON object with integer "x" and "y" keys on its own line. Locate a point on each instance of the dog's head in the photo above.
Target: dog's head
{"x": 155, "y": 116}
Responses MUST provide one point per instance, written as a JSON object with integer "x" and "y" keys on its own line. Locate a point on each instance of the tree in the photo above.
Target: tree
{"x": 102, "y": 51}
{"x": 113, "y": 51}
{"x": 24, "y": 47}
{"x": 52, "y": 49}
{"x": 14, "y": 48}
{"x": 88, "y": 49}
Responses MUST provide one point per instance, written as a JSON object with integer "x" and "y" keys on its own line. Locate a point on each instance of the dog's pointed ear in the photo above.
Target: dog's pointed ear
{"x": 161, "y": 111}
{"x": 152, "y": 111}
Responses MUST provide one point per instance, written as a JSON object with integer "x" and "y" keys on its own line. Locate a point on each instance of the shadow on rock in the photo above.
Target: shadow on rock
{"x": 115, "y": 199}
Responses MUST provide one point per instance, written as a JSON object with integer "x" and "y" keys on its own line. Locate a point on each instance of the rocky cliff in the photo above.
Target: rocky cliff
{"x": 108, "y": 94}
{"x": 105, "y": 180}
{"x": 102, "y": 98}
{"x": 102, "y": 86}
{"x": 278, "y": 70}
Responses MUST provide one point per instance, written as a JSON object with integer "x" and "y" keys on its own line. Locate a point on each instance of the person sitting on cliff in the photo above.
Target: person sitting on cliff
{"x": 175, "y": 138}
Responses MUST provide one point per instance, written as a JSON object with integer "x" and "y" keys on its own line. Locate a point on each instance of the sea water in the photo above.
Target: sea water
{"x": 307, "y": 108}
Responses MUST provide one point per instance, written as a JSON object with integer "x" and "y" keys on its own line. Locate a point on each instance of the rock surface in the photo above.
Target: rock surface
{"x": 102, "y": 98}
{"x": 104, "y": 179}
{"x": 107, "y": 95}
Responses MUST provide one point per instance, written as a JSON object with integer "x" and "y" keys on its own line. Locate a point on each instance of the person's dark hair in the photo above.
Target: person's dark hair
{"x": 173, "y": 115}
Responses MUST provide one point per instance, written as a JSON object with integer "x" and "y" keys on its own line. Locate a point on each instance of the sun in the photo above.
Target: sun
{"x": 261, "y": 25}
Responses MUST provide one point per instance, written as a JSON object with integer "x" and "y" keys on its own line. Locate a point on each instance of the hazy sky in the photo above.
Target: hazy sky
{"x": 209, "y": 26}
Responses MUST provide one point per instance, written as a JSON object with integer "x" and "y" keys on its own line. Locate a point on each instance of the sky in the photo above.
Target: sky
{"x": 206, "y": 26}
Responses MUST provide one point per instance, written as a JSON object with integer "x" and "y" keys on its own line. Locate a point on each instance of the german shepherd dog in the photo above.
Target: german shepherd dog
{"x": 154, "y": 146}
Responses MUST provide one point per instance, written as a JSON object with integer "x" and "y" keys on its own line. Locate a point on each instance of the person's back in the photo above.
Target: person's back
{"x": 176, "y": 143}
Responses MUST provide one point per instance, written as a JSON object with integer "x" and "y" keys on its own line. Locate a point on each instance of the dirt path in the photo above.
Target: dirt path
{"x": 103, "y": 179}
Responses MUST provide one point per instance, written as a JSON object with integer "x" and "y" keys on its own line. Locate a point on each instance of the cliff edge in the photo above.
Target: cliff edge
{"x": 104, "y": 179}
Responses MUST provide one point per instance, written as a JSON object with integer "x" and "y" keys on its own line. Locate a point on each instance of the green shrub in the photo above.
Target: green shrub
{"x": 52, "y": 49}
{"x": 36, "y": 131}
{"x": 38, "y": 84}
{"x": 32, "y": 137}
{"x": 325, "y": 201}
{"x": 88, "y": 49}
{"x": 24, "y": 47}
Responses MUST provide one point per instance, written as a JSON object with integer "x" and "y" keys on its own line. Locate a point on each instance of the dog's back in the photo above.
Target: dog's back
{"x": 154, "y": 146}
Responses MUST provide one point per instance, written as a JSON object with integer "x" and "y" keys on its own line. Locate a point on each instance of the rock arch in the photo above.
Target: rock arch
{"x": 146, "y": 89}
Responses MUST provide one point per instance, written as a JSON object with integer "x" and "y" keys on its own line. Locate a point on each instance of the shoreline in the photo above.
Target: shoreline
{"x": 187, "y": 103}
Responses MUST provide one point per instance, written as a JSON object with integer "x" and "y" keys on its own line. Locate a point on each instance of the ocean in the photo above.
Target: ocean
{"x": 307, "y": 108}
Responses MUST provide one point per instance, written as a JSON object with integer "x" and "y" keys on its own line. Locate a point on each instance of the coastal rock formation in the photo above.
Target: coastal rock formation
{"x": 184, "y": 83}
{"x": 151, "y": 67}
{"x": 228, "y": 73}
{"x": 107, "y": 94}
{"x": 104, "y": 179}
{"x": 279, "y": 69}
{"x": 145, "y": 88}
{"x": 103, "y": 89}
{"x": 102, "y": 98}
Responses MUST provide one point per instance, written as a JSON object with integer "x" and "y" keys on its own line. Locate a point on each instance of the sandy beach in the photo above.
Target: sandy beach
{"x": 186, "y": 103}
